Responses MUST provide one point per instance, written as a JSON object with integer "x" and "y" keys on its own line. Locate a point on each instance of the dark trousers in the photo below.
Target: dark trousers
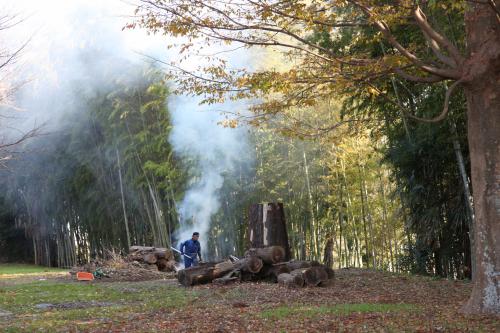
{"x": 193, "y": 261}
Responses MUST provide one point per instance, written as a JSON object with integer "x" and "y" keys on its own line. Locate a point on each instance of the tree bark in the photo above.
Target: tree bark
{"x": 269, "y": 255}
{"x": 297, "y": 264}
{"x": 291, "y": 281}
{"x": 312, "y": 276}
{"x": 267, "y": 227}
{"x": 482, "y": 90}
{"x": 196, "y": 275}
{"x": 328, "y": 254}
{"x": 250, "y": 264}
{"x": 150, "y": 258}
{"x": 272, "y": 272}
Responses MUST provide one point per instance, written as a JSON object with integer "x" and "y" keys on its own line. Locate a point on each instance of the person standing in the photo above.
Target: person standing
{"x": 191, "y": 250}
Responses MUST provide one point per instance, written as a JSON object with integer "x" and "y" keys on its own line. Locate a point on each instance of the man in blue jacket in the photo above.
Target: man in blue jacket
{"x": 191, "y": 250}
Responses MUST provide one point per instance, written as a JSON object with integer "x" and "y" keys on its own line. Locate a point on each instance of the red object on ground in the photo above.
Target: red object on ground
{"x": 84, "y": 276}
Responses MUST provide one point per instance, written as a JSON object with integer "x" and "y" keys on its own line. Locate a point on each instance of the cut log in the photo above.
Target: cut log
{"x": 290, "y": 280}
{"x": 249, "y": 264}
{"x": 165, "y": 265}
{"x": 330, "y": 272}
{"x": 149, "y": 258}
{"x": 136, "y": 248}
{"x": 162, "y": 264}
{"x": 326, "y": 284}
{"x": 152, "y": 267}
{"x": 208, "y": 272}
{"x": 200, "y": 274}
{"x": 267, "y": 227}
{"x": 144, "y": 249}
{"x": 137, "y": 252}
{"x": 298, "y": 264}
{"x": 271, "y": 273}
{"x": 313, "y": 275}
{"x": 225, "y": 280}
{"x": 269, "y": 255}
{"x": 222, "y": 268}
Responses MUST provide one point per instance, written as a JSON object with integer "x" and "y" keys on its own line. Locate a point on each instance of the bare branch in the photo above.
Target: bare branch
{"x": 437, "y": 51}
{"x": 27, "y": 135}
{"x": 434, "y": 35}
{"x": 413, "y": 78}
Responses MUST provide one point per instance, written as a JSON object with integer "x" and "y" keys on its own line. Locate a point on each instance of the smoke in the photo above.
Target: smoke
{"x": 75, "y": 46}
{"x": 72, "y": 48}
{"x": 216, "y": 150}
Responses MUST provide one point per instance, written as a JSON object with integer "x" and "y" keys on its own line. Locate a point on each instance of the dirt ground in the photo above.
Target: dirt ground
{"x": 359, "y": 301}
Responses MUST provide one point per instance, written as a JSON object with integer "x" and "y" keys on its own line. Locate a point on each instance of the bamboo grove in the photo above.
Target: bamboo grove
{"x": 378, "y": 189}
{"x": 106, "y": 180}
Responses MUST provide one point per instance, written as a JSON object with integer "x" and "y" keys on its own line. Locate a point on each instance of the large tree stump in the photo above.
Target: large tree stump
{"x": 267, "y": 227}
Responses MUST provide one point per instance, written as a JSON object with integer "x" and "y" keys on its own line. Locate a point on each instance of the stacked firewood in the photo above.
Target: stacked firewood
{"x": 154, "y": 258}
{"x": 259, "y": 264}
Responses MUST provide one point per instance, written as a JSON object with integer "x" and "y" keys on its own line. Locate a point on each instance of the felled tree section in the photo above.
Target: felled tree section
{"x": 266, "y": 263}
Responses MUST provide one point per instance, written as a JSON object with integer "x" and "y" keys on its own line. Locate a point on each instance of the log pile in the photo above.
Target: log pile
{"x": 266, "y": 263}
{"x": 154, "y": 258}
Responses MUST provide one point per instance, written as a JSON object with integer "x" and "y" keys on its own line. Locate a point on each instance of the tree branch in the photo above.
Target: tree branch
{"x": 437, "y": 52}
{"x": 414, "y": 78}
{"x": 382, "y": 26}
{"x": 434, "y": 35}
{"x": 446, "y": 105}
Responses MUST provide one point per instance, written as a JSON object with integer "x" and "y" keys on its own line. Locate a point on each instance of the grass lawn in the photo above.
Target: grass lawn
{"x": 8, "y": 269}
{"x": 69, "y": 305}
{"x": 359, "y": 301}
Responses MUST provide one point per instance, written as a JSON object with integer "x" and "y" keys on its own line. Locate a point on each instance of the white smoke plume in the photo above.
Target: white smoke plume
{"x": 217, "y": 151}
{"x": 74, "y": 42}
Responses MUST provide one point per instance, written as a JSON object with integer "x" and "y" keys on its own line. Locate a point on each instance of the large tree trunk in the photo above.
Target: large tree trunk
{"x": 482, "y": 89}
{"x": 267, "y": 227}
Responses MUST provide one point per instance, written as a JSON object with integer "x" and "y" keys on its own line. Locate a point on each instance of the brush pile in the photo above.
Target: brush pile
{"x": 259, "y": 264}
{"x": 141, "y": 264}
{"x": 153, "y": 258}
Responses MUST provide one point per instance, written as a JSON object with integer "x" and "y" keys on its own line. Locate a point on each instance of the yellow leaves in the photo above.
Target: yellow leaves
{"x": 373, "y": 91}
{"x": 229, "y": 123}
